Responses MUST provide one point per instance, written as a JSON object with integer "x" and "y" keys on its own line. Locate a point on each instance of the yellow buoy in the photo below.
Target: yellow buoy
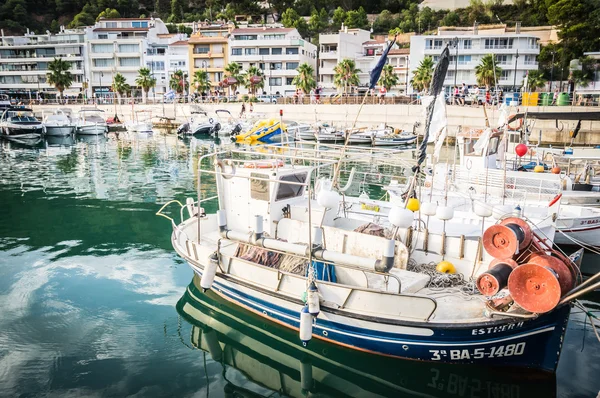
{"x": 413, "y": 204}
{"x": 445, "y": 267}
{"x": 538, "y": 169}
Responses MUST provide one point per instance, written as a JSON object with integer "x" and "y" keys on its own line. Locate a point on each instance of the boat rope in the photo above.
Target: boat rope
{"x": 590, "y": 315}
{"x": 440, "y": 280}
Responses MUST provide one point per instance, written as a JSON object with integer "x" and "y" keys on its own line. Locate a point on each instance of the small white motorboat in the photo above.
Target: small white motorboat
{"x": 141, "y": 124}
{"x": 300, "y": 131}
{"x": 329, "y": 134}
{"x": 394, "y": 139}
{"x": 20, "y": 123}
{"x": 91, "y": 122}
{"x": 58, "y": 123}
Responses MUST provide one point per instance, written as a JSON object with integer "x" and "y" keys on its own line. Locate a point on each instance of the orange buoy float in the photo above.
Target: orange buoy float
{"x": 555, "y": 170}
{"x": 534, "y": 288}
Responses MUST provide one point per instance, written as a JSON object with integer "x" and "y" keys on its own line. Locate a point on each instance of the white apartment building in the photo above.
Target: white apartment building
{"x": 276, "y": 51}
{"x": 334, "y": 47}
{"x": 166, "y": 54}
{"x": 119, "y": 46}
{"x": 399, "y": 59}
{"x": 24, "y": 62}
{"x": 516, "y": 54}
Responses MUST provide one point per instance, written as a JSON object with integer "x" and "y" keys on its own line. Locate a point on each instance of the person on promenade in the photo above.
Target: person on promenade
{"x": 243, "y": 111}
{"x": 555, "y": 97}
{"x": 463, "y": 93}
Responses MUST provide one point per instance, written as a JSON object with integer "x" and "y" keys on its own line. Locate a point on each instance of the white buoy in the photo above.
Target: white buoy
{"x": 312, "y": 299}
{"x": 208, "y": 275}
{"x": 401, "y": 217}
{"x": 306, "y": 324}
{"x": 212, "y": 343}
{"x": 328, "y": 199}
{"x": 317, "y": 236}
{"x": 429, "y": 208}
{"x": 482, "y": 209}
{"x": 258, "y": 227}
{"x": 444, "y": 213}
{"x": 306, "y": 375}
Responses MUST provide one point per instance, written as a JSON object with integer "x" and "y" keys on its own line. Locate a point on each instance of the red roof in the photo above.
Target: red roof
{"x": 261, "y": 30}
{"x": 372, "y": 42}
{"x": 399, "y": 51}
{"x": 180, "y": 43}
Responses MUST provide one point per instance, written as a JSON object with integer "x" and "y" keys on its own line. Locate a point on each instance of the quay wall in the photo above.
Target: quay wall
{"x": 400, "y": 116}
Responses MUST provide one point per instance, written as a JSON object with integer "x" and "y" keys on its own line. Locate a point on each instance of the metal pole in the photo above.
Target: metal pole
{"x": 456, "y": 60}
{"x": 515, "y": 77}
{"x": 552, "y": 71}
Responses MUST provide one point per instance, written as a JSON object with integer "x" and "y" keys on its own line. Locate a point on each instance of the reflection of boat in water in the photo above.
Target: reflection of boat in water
{"x": 92, "y": 139}
{"x": 271, "y": 356}
{"x": 66, "y": 140}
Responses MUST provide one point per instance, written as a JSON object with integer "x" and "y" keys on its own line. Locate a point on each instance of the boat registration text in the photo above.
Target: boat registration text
{"x": 478, "y": 353}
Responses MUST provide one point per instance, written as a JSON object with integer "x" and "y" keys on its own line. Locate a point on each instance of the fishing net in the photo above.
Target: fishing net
{"x": 440, "y": 280}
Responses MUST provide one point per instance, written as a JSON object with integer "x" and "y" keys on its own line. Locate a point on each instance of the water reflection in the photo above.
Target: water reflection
{"x": 261, "y": 358}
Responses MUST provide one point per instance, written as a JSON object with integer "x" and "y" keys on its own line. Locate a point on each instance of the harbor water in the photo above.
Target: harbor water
{"x": 95, "y": 302}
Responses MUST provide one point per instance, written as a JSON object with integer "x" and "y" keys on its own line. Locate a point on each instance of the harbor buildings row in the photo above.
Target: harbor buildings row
{"x": 124, "y": 45}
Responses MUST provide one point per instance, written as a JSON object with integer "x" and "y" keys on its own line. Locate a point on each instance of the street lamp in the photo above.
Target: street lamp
{"x": 101, "y": 76}
{"x": 552, "y": 71}
{"x": 515, "y": 77}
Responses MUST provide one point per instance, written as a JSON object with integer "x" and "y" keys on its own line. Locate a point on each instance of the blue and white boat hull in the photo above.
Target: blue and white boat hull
{"x": 534, "y": 343}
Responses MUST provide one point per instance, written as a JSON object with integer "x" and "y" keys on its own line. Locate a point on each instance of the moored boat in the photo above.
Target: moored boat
{"x": 91, "y": 121}
{"x": 20, "y": 123}
{"x": 58, "y": 123}
{"x": 372, "y": 295}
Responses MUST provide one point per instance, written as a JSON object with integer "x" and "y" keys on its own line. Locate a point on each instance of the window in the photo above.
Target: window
{"x": 203, "y": 49}
{"x": 276, "y": 65}
{"x": 276, "y": 51}
{"x": 498, "y": 44}
{"x": 291, "y": 65}
{"x": 111, "y": 24}
{"x": 201, "y": 63}
{"x": 274, "y": 37}
{"x": 249, "y": 51}
{"x": 45, "y": 52}
{"x": 177, "y": 64}
{"x": 274, "y": 81}
{"x": 503, "y": 59}
{"x": 129, "y": 62}
{"x": 289, "y": 191}
{"x": 263, "y": 51}
{"x": 156, "y": 65}
{"x": 103, "y": 36}
{"x": 129, "y": 48}
{"x": 433, "y": 44}
{"x": 102, "y": 48}
{"x": 505, "y": 75}
{"x": 156, "y": 51}
{"x": 289, "y": 81}
{"x": 291, "y": 51}
{"x": 464, "y": 59}
{"x": 104, "y": 63}
{"x": 261, "y": 65}
{"x": 467, "y": 44}
{"x": 141, "y": 24}
{"x": 529, "y": 60}
{"x": 245, "y": 37}
{"x": 236, "y": 51}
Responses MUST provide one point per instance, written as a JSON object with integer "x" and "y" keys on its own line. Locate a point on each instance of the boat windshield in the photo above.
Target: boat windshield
{"x": 21, "y": 116}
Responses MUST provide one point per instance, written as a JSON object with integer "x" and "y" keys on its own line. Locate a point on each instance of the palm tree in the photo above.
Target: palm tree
{"x": 305, "y": 79}
{"x": 145, "y": 81}
{"x": 120, "y": 86}
{"x": 388, "y": 78}
{"x": 488, "y": 72}
{"x": 233, "y": 69}
{"x": 423, "y": 74}
{"x": 201, "y": 81}
{"x": 346, "y": 74}
{"x": 535, "y": 80}
{"x": 178, "y": 82}
{"x": 59, "y": 75}
{"x": 248, "y": 82}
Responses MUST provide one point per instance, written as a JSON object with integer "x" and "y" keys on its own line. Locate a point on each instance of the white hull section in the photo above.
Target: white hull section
{"x": 59, "y": 131}
{"x": 92, "y": 129}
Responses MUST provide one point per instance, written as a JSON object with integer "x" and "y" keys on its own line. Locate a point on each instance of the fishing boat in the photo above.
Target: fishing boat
{"x": 90, "y": 121}
{"x": 20, "y": 124}
{"x": 300, "y": 131}
{"x": 58, "y": 123}
{"x": 327, "y": 134}
{"x": 141, "y": 124}
{"x": 269, "y": 356}
{"x": 386, "y": 309}
{"x": 394, "y": 138}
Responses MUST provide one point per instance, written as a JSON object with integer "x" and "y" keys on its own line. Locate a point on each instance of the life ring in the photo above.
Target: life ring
{"x": 510, "y": 186}
{"x": 272, "y": 164}
{"x": 556, "y": 198}
{"x": 519, "y": 124}
{"x": 427, "y": 184}
{"x": 221, "y": 165}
